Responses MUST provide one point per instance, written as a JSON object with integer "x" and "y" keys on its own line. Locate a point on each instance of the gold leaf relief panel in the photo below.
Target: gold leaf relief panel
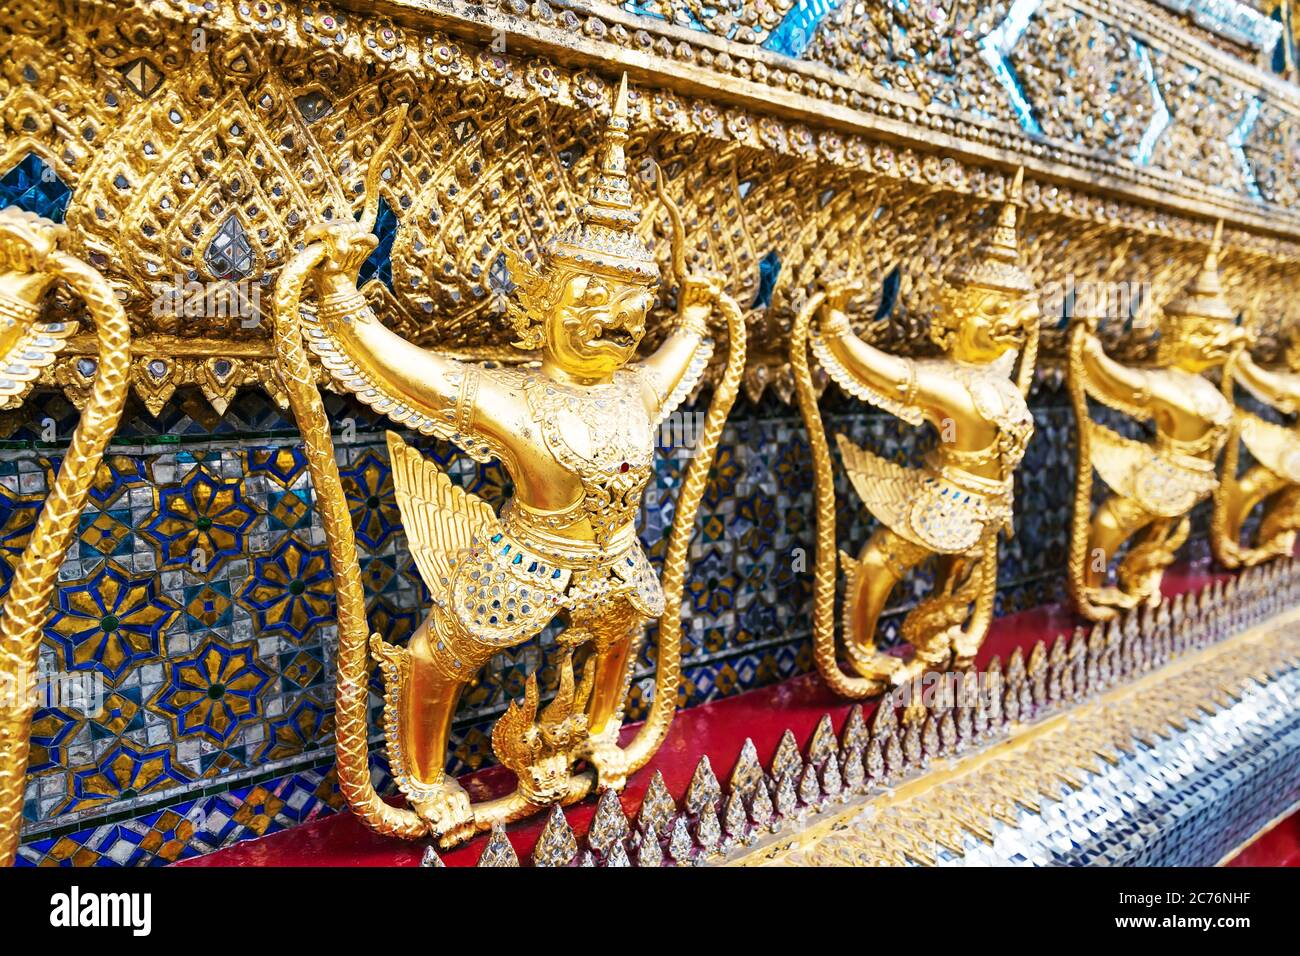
{"x": 931, "y": 50}
{"x": 1273, "y": 150}
{"x": 1205, "y": 110}
{"x": 207, "y": 167}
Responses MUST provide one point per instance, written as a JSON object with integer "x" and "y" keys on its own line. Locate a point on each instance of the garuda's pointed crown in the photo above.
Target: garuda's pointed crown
{"x": 1203, "y": 297}
{"x": 604, "y": 238}
{"x": 996, "y": 262}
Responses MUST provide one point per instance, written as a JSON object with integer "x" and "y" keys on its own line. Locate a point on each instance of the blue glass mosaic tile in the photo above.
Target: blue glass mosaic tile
{"x": 33, "y": 185}
{"x": 796, "y": 30}
{"x": 379, "y": 265}
{"x": 769, "y": 268}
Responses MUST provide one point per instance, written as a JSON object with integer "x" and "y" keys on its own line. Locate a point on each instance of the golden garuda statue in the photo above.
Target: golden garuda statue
{"x": 1274, "y": 479}
{"x": 33, "y": 262}
{"x": 1153, "y": 484}
{"x": 576, "y": 432}
{"x": 953, "y": 507}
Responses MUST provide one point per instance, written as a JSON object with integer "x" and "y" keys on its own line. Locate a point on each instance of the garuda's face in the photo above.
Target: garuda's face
{"x": 1204, "y": 343}
{"x": 991, "y": 322}
{"x": 596, "y": 324}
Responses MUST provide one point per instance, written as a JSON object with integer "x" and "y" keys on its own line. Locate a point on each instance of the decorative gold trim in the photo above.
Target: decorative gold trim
{"x": 1034, "y": 761}
{"x": 1046, "y": 717}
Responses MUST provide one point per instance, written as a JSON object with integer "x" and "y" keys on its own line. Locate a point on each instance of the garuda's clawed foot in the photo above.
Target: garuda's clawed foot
{"x": 909, "y": 671}
{"x": 1281, "y": 547}
{"x": 1113, "y": 597}
{"x": 609, "y": 759}
{"x": 936, "y": 652}
{"x": 964, "y": 646}
{"x": 445, "y": 808}
{"x": 883, "y": 669}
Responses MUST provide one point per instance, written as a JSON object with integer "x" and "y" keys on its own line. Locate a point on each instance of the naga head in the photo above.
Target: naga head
{"x": 1199, "y": 331}
{"x": 540, "y": 752}
{"x": 26, "y": 242}
{"x": 586, "y": 308}
{"x": 989, "y": 301}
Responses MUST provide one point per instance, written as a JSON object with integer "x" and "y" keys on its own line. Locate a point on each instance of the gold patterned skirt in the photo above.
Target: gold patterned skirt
{"x": 1162, "y": 481}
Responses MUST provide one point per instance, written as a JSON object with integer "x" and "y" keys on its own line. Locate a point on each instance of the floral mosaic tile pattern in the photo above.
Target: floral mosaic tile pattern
{"x": 197, "y": 603}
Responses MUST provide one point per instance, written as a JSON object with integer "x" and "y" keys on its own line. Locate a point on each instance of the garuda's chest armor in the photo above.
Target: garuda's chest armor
{"x": 603, "y": 436}
{"x": 956, "y": 504}
{"x": 534, "y": 564}
{"x": 999, "y": 402}
{"x": 945, "y": 506}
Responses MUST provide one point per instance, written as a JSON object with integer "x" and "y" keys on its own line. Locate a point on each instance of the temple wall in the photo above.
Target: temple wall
{"x": 219, "y": 684}
{"x": 197, "y": 601}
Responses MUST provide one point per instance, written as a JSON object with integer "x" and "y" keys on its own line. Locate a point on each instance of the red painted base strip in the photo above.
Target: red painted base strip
{"x": 1277, "y": 846}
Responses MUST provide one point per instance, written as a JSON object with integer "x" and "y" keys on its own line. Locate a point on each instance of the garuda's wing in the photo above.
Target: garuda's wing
{"x": 854, "y": 386}
{"x": 887, "y": 489}
{"x": 919, "y": 505}
{"x": 352, "y": 377}
{"x": 442, "y": 520}
{"x": 1137, "y": 471}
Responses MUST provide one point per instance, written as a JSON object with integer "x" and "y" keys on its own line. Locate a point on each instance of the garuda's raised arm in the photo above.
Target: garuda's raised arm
{"x": 1278, "y": 389}
{"x": 673, "y": 370}
{"x": 864, "y": 371}
{"x": 1110, "y": 381}
{"x": 430, "y": 393}
{"x": 433, "y": 393}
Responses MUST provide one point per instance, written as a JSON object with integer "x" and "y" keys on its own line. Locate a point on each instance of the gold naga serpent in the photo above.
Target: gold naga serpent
{"x": 1228, "y": 550}
{"x": 351, "y": 694}
{"x": 824, "y": 494}
{"x": 30, "y": 263}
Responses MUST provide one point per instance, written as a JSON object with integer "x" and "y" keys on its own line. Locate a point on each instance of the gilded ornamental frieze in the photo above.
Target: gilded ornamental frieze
{"x": 194, "y": 160}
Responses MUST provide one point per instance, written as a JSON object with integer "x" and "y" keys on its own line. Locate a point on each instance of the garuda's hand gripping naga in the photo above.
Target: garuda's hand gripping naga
{"x": 31, "y": 262}
{"x": 952, "y": 507}
{"x": 577, "y": 435}
{"x": 1153, "y": 484}
{"x": 1274, "y": 479}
